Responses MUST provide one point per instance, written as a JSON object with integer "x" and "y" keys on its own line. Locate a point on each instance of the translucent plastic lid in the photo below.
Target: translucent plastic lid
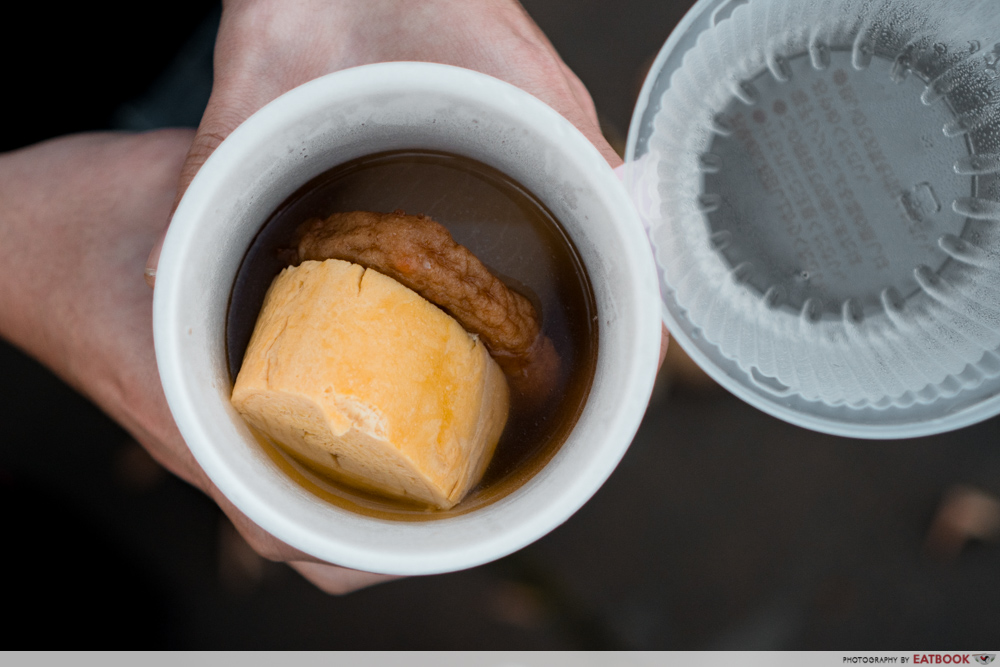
{"x": 820, "y": 185}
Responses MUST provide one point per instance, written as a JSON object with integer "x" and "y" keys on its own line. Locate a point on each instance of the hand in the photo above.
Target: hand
{"x": 77, "y": 218}
{"x": 267, "y": 47}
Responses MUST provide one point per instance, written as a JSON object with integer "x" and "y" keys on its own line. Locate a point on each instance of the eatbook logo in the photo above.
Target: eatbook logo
{"x": 985, "y": 658}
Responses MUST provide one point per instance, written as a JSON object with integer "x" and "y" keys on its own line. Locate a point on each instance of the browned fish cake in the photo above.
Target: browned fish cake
{"x": 421, "y": 254}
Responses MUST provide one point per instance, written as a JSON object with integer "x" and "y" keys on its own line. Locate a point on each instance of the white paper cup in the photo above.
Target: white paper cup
{"x": 341, "y": 117}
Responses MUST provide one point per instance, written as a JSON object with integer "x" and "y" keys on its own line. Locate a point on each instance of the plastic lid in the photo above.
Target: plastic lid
{"x": 820, "y": 185}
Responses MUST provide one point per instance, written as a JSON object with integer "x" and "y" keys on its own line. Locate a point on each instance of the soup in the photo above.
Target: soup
{"x": 511, "y": 232}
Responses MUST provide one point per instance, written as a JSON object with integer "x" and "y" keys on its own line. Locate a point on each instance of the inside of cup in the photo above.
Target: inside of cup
{"x": 820, "y": 182}
{"x": 332, "y": 121}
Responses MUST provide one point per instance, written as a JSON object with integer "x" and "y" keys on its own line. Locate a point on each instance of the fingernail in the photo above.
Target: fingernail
{"x": 153, "y": 261}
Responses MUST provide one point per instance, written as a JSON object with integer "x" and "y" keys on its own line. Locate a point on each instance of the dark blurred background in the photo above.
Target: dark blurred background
{"x": 722, "y": 528}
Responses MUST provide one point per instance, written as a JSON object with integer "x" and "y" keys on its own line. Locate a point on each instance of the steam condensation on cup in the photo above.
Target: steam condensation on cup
{"x": 820, "y": 182}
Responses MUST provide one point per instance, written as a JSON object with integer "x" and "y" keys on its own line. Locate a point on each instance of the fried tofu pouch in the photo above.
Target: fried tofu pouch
{"x": 368, "y": 382}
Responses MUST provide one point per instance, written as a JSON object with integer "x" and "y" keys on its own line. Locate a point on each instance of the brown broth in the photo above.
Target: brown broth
{"x": 510, "y": 231}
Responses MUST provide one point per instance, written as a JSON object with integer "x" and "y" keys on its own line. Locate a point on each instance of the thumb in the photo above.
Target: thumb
{"x": 210, "y": 134}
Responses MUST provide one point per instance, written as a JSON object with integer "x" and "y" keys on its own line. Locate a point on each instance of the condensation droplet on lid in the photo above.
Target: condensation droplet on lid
{"x": 721, "y": 239}
{"x": 709, "y": 163}
{"x": 721, "y": 126}
{"x": 953, "y": 245}
{"x": 965, "y": 252}
{"x": 709, "y": 202}
{"x": 812, "y": 310}
{"x": 746, "y": 92}
{"x": 961, "y": 125}
{"x": 935, "y": 91}
{"x": 977, "y": 165}
{"x": 892, "y": 300}
{"x": 901, "y": 67}
{"x": 742, "y": 273}
{"x": 852, "y": 312}
{"x": 926, "y": 278}
{"x": 977, "y": 208}
{"x": 819, "y": 55}
{"x": 861, "y": 55}
{"x": 773, "y": 297}
{"x": 779, "y": 68}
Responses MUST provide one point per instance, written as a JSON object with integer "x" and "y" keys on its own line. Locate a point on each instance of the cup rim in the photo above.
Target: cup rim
{"x": 490, "y": 544}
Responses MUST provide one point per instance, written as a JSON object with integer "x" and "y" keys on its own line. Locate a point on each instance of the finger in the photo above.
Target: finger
{"x": 153, "y": 260}
{"x": 230, "y": 103}
{"x": 602, "y": 145}
{"x": 337, "y": 580}
{"x": 581, "y": 94}
{"x": 329, "y": 578}
{"x": 332, "y": 579}
{"x": 214, "y": 128}
{"x": 584, "y": 118}
{"x": 579, "y": 91}
{"x": 664, "y": 345}
{"x": 261, "y": 541}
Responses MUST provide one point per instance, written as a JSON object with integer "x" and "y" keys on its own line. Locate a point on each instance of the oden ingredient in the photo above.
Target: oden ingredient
{"x": 421, "y": 254}
{"x": 367, "y": 381}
